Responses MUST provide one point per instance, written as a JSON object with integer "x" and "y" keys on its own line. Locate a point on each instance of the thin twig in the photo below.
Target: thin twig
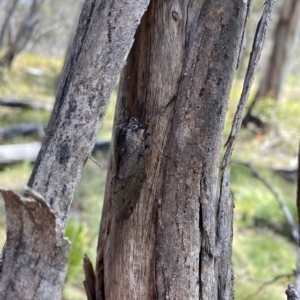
{"x": 262, "y": 286}
{"x": 161, "y": 152}
{"x": 284, "y": 208}
{"x": 94, "y": 160}
{"x": 253, "y": 62}
{"x": 243, "y": 40}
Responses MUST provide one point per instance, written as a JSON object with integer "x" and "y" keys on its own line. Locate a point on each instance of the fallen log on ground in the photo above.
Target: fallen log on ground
{"x": 21, "y": 129}
{"x": 28, "y": 152}
{"x": 25, "y": 103}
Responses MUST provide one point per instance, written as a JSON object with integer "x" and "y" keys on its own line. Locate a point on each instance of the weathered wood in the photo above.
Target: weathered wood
{"x": 99, "y": 51}
{"x": 89, "y": 280}
{"x": 103, "y": 38}
{"x": 224, "y": 271}
{"x": 167, "y": 248}
{"x": 33, "y": 253}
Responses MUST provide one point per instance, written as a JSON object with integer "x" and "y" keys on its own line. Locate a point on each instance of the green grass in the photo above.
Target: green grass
{"x": 19, "y": 82}
{"x": 262, "y": 247}
{"x": 260, "y": 255}
{"x": 83, "y": 224}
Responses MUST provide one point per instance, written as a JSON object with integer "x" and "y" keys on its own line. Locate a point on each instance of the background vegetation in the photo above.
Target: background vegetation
{"x": 263, "y": 249}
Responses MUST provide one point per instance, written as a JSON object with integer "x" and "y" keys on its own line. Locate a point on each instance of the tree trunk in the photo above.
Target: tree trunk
{"x": 284, "y": 40}
{"x": 183, "y": 59}
{"x": 24, "y": 34}
{"x": 7, "y": 20}
{"x": 36, "y": 254}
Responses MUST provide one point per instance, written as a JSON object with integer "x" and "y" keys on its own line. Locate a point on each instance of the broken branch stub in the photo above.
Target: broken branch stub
{"x": 32, "y": 242}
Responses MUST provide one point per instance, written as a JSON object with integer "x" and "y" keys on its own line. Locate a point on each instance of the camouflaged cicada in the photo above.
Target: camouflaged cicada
{"x": 129, "y": 144}
{"x": 128, "y": 159}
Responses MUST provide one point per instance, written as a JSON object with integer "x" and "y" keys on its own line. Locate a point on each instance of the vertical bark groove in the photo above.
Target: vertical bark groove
{"x": 167, "y": 247}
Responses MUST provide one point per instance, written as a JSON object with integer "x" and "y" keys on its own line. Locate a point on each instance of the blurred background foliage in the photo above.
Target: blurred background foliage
{"x": 264, "y": 253}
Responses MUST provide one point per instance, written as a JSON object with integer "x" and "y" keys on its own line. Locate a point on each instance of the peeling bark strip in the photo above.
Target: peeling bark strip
{"x": 104, "y": 36}
{"x": 36, "y": 260}
{"x": 89, "y": 281}
{"x": 167, "y": 248}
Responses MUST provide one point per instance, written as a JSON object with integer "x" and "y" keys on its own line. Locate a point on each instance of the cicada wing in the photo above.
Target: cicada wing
{"x": 127, "y": 185}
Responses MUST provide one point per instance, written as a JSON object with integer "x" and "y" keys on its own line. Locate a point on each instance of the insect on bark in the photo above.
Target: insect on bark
{"x": 129, "y": 145}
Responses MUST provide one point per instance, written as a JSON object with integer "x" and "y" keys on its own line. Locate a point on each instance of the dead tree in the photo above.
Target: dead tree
{"x": 7, "y": 20}
{"x": 284, "y": 44}
{"x": 285, "y": 36}
{"x": 166, "y": 227}
{"x": 24, "y": 33}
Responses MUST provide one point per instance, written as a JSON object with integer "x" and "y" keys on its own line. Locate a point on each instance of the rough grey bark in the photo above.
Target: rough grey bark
{"x": 177, "y": 242}
{"x": 104, "y": 36}
{"x": 99, "y": 51}
{"x": 285, "y": 35}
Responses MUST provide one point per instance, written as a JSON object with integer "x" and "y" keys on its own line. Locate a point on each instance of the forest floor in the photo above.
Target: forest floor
{"x": 264, "y": 254}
